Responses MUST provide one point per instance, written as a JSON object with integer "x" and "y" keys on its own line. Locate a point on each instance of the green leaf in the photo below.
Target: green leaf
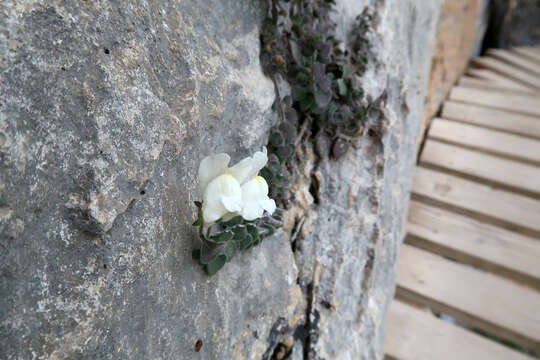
{"x": 296, "y": 20}
{"x": 199, "y": 220}
{"x": 230, "y": 250}
{"x": 284, "y": 152}
{"x": 196, "y": 255}
{"x": 347, "y": 72}
{"x": 223, "y": 236}
{"x": 298, "y": 93}
{"x": 214, "y": 266}
{"x": 239, "y": 232}
{"x": 276, "y": 139}
{"x": 245, "y": 242}
{"x": 322, "y": 98}
{"x": 317, "y": 110}
{"x": 267, "y": 174}
{"x": 342, "y": 87}
{"x": 254, "y": 232}
{"x": 270, "y": 230}
{"x": 209, "y": 251}
{"x": 233, "y": 222}
{"x": 306, "y": 103}
{"x": 302, "y": 79}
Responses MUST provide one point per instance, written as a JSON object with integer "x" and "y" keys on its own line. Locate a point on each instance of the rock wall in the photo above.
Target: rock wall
{"x": 513, "y": 23}
{"x": 107, "y": 108}
{"x": 457, "y": 38}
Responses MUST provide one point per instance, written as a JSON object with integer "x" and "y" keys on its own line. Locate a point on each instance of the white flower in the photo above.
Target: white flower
{"x": 255, "y": 199}
{"x": 236, "y": 190}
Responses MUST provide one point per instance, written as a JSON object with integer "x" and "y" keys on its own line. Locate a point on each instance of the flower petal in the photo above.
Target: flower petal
{"x": 211, "y": 167}
{"x": 252, "y": 211}
{"x": 255, "y": 199}
{"x": 269, "y": 205}
{"x": 255, "y": 190}
{"x": 221, "y": 193}
{"x": 232, "y": 203}
{"x": 249, "y": 167}
{"x": 242, "y": 170}
{"x": 260, "y": 158}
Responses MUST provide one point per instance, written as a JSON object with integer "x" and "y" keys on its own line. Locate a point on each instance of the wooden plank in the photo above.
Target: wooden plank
{"x": 498, "y": 79}
{"x": 492, "y": 141}
{"x": 478, "y": 298}
{"x": 492, "y": 118}
{"x": 467, "y": 240}
{"x": 523, "y": 63}
{"x": 508, "y": 70}
{"x": 520, "y": 103}
{"x": 528, "y": 53}
{"x": 514, "y": 211}
{"x": 412, "y": 334}
{"x": 519, "y": 177}
{"x": 477, "y": 80}
{"x": 468, "y": 81}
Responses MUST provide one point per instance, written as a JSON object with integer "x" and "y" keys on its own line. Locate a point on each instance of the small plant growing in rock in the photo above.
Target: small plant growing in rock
{"x": 298, "y": 42}
{"x": 299, "y": 45}
{"x": 236, "y": 212}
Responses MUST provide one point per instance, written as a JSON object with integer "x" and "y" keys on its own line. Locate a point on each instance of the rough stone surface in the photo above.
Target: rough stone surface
{"x": 362, "y": 199}
{"x": 455, "y": 42}
{"x": 107, "y": 108}
{"x": 513, "y": 23}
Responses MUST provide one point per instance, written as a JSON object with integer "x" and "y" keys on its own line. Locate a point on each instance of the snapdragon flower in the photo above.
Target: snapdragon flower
{"x": 237, "y": 190}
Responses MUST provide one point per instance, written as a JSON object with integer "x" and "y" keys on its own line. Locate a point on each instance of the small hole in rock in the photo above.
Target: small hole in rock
{"x": 63, "y": 68}
{"x": 106, "y": 51}
{"x": 143, "y": 192}
{"x": 104, "y": 266}
{"x": 198, "y": 345}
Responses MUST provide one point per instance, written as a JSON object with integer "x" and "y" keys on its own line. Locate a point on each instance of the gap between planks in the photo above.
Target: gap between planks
{"x": 527, "y": 52}
{"x": 514, "y": 123}
{"x": 512, "y": 211}
{"x": 513, "y": 59}
{"x": 467, "y": 81}
{"x": 464, "y": 239}
{"x": 477, "y": 298}
{"x": 484, "y": 168}
{"x": 520, "y": 103}
{"x": 507, "y": 70}
{"x": 413, "y": 334}
{"x": 490, "y": 141}
{"x": 498, "y": 79}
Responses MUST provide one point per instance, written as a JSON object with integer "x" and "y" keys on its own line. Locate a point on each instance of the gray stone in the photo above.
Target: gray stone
{"x": 513, "y": 23}
{"x": 358, "y": 224}
{"x": 107, "y": 108}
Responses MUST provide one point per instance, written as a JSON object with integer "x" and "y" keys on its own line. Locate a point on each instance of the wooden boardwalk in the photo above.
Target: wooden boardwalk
{"x": 468, "y": 282}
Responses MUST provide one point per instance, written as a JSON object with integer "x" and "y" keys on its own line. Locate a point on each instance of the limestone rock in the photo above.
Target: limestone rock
{"x": 107, "y": 108}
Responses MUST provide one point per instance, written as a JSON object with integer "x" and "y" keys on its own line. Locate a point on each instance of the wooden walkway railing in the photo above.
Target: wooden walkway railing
{"x": 468, "y": 282}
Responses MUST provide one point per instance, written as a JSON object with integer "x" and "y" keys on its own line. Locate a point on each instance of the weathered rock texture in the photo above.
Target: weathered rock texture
{"x": 106, "y": 109}
{"x": 513, "y": 23}
{"x": 456, "y": 39}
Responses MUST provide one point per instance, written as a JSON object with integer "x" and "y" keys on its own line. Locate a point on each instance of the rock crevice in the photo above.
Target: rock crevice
{"x": 107, "y": 108}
